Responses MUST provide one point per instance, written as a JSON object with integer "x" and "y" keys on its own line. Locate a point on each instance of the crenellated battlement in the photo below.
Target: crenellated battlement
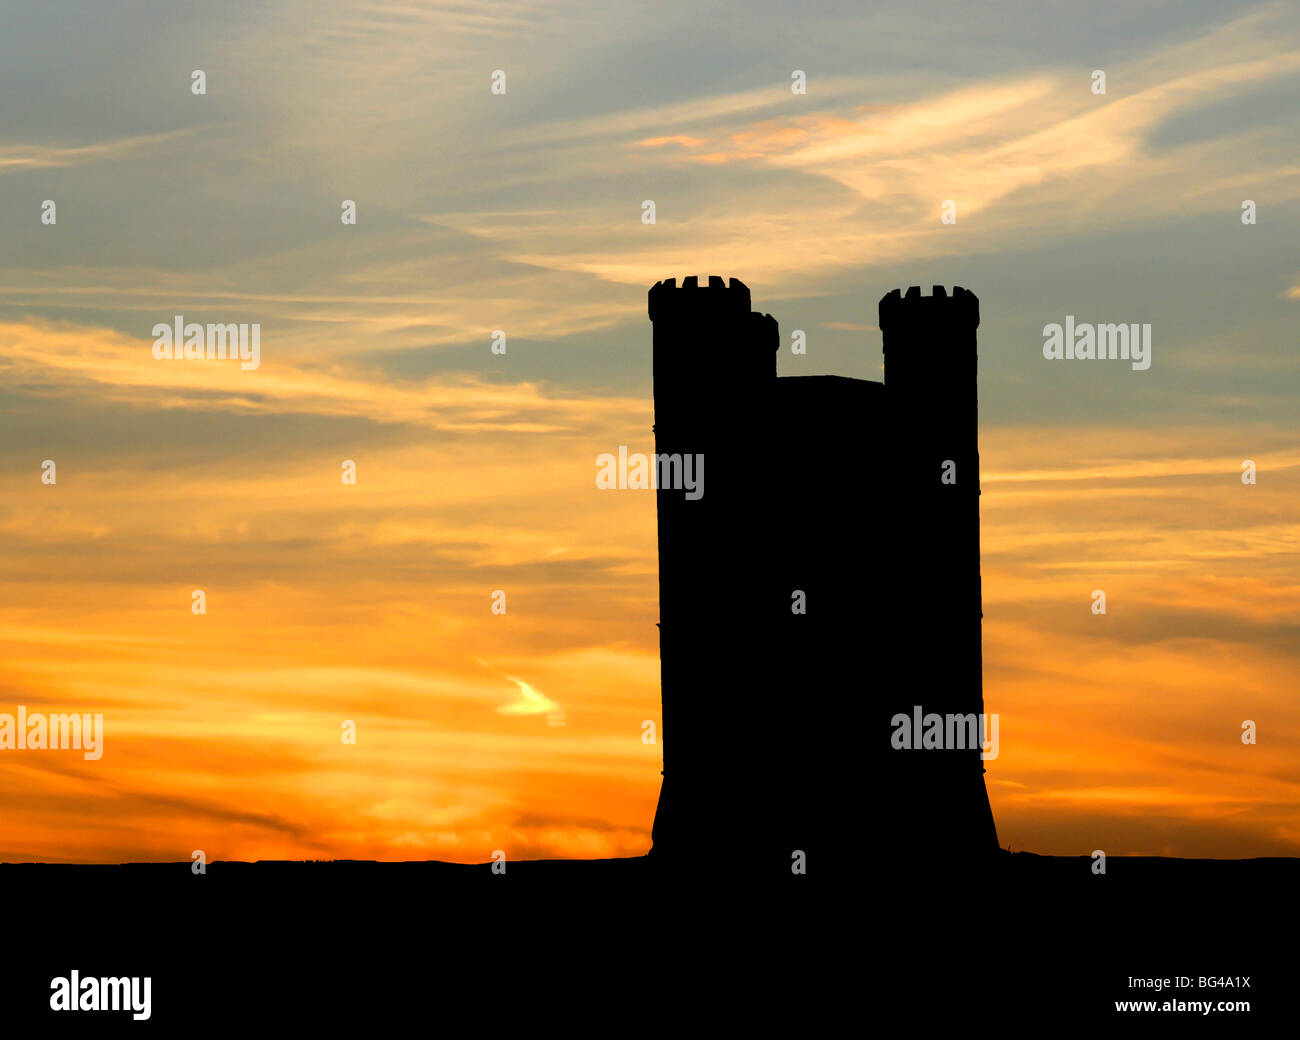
{"x": 718, "y": 298}
{"x": 962, "y": 307}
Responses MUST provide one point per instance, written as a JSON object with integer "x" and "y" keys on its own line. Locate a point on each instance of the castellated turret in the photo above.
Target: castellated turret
{"x": 827, "y": 580}
{"x": 714, "y": 370}
{"x": 931, "y": 389}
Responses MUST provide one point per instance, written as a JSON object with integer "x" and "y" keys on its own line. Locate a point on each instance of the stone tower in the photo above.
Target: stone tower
{"x": 861, "y": 500}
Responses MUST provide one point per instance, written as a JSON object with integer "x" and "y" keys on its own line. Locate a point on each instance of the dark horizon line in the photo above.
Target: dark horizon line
{"x": 1004, "y": 854}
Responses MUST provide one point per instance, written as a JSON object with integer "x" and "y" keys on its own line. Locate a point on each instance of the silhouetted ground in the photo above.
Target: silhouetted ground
{"x": 616, "y": 946}
{"x": 330, "y": 874}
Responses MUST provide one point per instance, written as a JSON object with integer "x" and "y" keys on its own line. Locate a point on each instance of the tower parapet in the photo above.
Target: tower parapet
{"x": 929, "y": 341}
{"x": 667, "y": 300}
{"x": 962, "y": 306}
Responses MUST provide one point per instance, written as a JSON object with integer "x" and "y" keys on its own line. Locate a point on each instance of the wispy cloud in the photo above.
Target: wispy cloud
{"x": 530, "y": 701}
{"x": 65, "y": 359}
{"x": 1020, "y": 156}
{"x": 16, "y": 158}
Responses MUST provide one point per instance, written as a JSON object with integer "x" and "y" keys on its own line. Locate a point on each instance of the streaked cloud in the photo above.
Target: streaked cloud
{"x": 20, "y": 157}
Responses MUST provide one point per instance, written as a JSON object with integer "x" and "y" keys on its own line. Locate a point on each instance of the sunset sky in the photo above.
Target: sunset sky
{"x": 475, "y": 472}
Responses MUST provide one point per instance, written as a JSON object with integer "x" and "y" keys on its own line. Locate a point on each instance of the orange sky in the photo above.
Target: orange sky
{"x": 371, "y": 602}
{"x": 328, "y": 602}
{"x": 523, "y": 213}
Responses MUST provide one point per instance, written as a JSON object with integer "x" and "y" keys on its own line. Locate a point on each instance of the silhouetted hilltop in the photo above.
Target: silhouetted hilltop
{"x": 896, "y": 868}
{"x": 1030, "y": 938}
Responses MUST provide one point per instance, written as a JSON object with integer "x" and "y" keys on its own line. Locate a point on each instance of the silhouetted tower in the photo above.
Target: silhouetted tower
{"x": 777, "y": 721}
